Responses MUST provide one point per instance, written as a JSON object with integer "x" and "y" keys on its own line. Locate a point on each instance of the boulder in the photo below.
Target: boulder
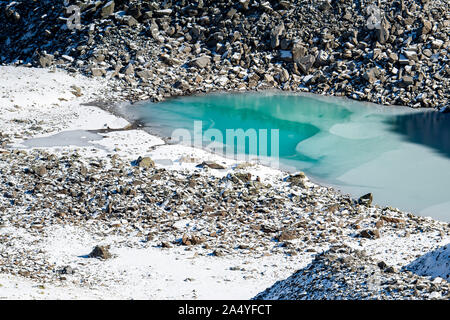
{"x": 98, "y": 72}
{"x": 101, "y": 252}
{"x": 107, "y": 9}
{"x": 129, "y": 21}
{"x": 275, "y": 35}
{"x": 287, "y": 235}
{"x": 129, "y": 70}
{"x": 427, "y": 27}
{"x": 407, "y": 80}
{"x": 366, "y": 199}
{"x": 201, "y": 62}
{"x": 370, "y": 234}
{"x": 211, "y": 165}
{"x": 46, "y": 60}
{"x": 305, "y": 63}
{"x": 383, "y": 32}
{"x": 145, "y": 162}
{"x": 372, "y": 75}
{"x": 298, "y": 52}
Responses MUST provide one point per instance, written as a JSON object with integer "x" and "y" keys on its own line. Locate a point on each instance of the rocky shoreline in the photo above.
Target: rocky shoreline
{"x": 392, "y": 53}
{"x": 135, "y": 197}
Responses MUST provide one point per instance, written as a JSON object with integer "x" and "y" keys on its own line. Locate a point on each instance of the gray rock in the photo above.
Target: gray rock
{"x": 98, "y": 72}
{"x": 427, "y": 26}
{"x": 142, "y": 31}
{"x": 40, "y": 171}
{"x": 283, "y": 75}
{"x": 144, "y": 74}
{"x": 408, "y": 80}
{"x": 275, "y": 35}
{"x": 163, "y": 12}
{"x": 383, "y": 32}
{"x": 372, "y": 75}
{"x": 46, "y": 60}
{"x": 211, "y": 165}
{"x": 437, "y": 44}
{"x": 370, "y": 234}
{"x": 129, "y": 70}
{"x": 130, "y": 21}
{"x": 108, "y": 9}
{"x": 145, "y": 162}
{"x": 322, "y": 58}
{"x": 201, "y": 62}
{"x": 298, "y": 51}
{"x": 305, "y": 63}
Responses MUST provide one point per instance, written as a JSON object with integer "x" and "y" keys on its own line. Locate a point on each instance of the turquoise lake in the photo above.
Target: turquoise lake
{"x": 399, "y": 154}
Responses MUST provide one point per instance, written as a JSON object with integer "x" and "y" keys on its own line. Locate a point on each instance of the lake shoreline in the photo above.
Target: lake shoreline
{"x": 218, "y": 255}
{"x": 364, "y": 120}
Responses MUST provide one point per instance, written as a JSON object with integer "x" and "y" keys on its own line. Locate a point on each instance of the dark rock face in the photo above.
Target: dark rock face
{"x": 101, "y": 252}
{"x": 299, "y": 45}
{"x": 370, "y": 234}
{"x": 366, "y": 199}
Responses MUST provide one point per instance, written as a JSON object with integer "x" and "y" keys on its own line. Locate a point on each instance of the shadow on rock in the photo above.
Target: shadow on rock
{"x": 433, "y": 264}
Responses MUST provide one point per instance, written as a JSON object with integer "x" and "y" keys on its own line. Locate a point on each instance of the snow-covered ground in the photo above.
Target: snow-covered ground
{"x": 41, "y": 103}
{"x": 146, "y": 273}
{"x": 44, "y": 98}
{"x": 435, "y": 263}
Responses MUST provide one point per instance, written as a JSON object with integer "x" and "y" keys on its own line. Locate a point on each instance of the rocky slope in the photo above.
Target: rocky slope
{"x": 396, "y": 53}
{"x": 189, "y": 224}
{"x": 344, "y": 273}
{"x": 435, "y": 263}
{"x": 227, "y": 216}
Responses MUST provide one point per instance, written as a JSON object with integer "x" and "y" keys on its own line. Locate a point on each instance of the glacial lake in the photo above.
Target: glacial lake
{"x": 401, "y": 155}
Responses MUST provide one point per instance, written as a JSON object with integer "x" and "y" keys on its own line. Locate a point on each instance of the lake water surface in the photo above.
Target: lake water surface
{"x": 399, "y": 154}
